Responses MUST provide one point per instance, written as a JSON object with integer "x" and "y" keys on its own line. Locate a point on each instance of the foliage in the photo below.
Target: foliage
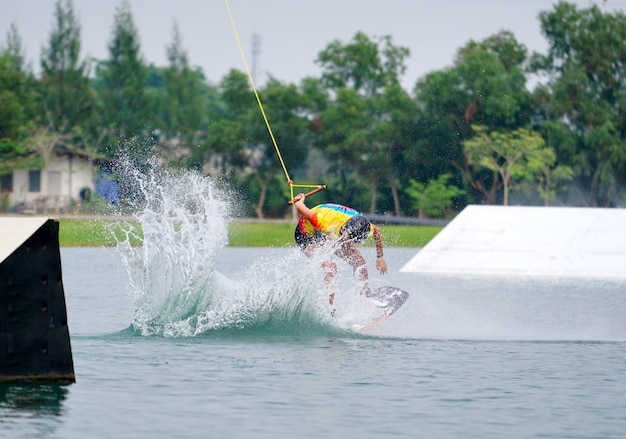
{"x": 485, "y": 86}
{"x": 123, "y": 103}
{"x": 582, "y": 108}
{"x": 545, "y": 175}
{"x": 42, "y": 142}
{"x": 239, "y": 138}
{"x": 492, "y": 72}
{"x": 434, "y": 198}
{"x": 66, "y": 98}
{"x": 17, "y": 104}
{"x": 515, "y": 155}
{"x": 183, "y": 99}
{"x": 363, "y": 124}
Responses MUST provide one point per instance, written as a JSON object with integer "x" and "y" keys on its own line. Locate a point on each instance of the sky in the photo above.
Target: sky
{"x": 291, "y": 33}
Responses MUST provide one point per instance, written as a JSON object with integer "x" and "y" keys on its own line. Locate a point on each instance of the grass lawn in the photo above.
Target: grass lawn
{"x": 98, "y": 233}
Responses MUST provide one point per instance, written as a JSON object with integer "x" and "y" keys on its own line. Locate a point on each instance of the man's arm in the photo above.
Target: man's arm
{"x": 381, "y": 264}
{"x": 298, "y": 201}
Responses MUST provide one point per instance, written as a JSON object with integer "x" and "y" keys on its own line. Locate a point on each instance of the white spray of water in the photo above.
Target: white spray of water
{"x": 184, "y": 223}
{"x": 175, "y": 287}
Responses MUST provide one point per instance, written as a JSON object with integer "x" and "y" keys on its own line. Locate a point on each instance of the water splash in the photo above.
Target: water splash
{"x": 175, "y": 287}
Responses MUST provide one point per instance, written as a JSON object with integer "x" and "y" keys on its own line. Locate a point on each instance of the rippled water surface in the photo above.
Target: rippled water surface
{"x": 463, "y": 358}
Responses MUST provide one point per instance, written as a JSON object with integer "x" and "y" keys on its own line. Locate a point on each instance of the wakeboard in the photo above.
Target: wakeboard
{"x": 388, "y": 300}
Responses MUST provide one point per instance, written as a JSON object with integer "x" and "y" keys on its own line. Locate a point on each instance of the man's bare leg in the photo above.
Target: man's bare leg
{"x": 330, "y": 274}
{"x": 351, "y": 254}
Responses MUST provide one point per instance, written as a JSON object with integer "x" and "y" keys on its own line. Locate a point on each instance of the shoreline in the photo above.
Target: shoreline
{"x": 108, "y": 230}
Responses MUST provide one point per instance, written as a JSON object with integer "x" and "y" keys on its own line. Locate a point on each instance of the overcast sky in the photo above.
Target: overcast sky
{"x": 292, "y": 32}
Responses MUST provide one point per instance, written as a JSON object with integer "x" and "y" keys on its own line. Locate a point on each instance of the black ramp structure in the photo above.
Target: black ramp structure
{"x": 34, "y": 336}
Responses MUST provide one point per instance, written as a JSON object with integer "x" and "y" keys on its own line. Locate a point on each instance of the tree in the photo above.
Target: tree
{"x": 364, "y": 65}
{"x": 283, "y": 106}
{"x": 17, "y": 104}
{"x": 121, "y": 83}
{"x": 438, "y": 129}
{"x": 14, "y": 50}
{"x": 508, "y": 154}
{"x": 229, "y": 129}
{"x": 434, "y": 198}
{"x": 393, "y": 136}
{"x": 583, "y": 103}
{"x": 363, "y": 76}
{"x": 493, "y": 73}
{"x": 544, "y": 173}
{"x": 67, "y": 98}
{"x": 486, "y": 86}
{"x": 184, "y": 98}
{"x": 42, "y": 143}
{"x": 238, "y": 140}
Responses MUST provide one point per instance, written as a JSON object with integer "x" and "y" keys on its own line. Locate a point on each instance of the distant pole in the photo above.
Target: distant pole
{"x": 70, "y": 156}
{"x": 256, "y": 51}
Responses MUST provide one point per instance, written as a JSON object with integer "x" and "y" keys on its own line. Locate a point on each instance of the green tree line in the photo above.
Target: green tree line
{"x": 500, "y": 125}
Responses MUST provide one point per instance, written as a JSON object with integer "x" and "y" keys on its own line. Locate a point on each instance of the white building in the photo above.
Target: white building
{"x": 50, "y": 189}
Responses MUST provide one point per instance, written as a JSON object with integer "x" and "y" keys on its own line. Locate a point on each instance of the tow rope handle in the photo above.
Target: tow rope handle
{"x": 308, "y": 194}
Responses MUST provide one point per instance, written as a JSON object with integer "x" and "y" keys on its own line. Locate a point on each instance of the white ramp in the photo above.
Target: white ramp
{"x": 534, "y": 241}
{"x": 15, "y": 230}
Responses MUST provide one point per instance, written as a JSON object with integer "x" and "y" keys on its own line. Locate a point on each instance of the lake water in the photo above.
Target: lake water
{"x": 465, "y": 357}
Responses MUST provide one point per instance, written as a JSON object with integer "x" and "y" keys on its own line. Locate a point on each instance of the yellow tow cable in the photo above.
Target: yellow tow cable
{"x": 267, "y": 123}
